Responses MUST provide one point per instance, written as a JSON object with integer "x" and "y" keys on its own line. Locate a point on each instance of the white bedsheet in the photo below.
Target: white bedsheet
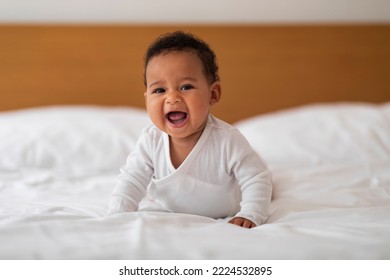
{"x": 331, "y": 171}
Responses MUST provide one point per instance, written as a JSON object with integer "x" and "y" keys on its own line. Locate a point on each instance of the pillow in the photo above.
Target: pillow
{"x": 321, "y": 134}
{"x": 72, "y": 140}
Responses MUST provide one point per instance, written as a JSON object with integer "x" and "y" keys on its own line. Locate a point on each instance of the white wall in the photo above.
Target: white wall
{"x": 194, "y": 11}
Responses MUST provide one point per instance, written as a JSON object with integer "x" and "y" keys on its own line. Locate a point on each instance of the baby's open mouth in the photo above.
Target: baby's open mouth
{"x": 176, "y": 117}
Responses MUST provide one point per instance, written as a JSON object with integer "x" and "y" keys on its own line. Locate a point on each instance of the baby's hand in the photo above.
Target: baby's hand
{"x": 242, "y": 222}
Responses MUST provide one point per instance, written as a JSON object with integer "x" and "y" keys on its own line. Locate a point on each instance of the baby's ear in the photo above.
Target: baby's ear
{"x": 215, "y": 93}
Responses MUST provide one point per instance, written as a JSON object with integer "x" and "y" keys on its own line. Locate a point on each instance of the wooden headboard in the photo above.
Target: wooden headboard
{"x": 262, "y": 68}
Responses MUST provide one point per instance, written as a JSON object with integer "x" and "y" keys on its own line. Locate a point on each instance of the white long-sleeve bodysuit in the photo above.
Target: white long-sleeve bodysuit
{"x": 221, "y": 177}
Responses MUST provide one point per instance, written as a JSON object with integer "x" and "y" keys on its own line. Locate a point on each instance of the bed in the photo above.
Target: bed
{"x": 313, "y": 101}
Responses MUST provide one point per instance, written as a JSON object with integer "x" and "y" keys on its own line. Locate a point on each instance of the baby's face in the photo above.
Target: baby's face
{"x": 178, "y": 94}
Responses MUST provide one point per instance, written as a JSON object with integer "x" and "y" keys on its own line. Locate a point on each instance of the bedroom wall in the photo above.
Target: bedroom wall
{"x": 194, "y": 11}
{"x": 43, "y": 63}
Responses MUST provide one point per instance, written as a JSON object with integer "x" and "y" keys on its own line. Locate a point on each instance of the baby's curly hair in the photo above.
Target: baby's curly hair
{"x": 184, "y": 42}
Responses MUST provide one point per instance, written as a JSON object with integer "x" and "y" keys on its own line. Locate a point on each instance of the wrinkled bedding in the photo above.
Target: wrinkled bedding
{"x": 330, "y": 165}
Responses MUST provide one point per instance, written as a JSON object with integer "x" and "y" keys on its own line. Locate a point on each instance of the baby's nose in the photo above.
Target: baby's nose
{"x": 173, "y": 97}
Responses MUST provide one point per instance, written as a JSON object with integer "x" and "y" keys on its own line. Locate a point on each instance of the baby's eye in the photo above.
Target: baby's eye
{"x": 158, "y": 90}
{"x": 186, "y": 87}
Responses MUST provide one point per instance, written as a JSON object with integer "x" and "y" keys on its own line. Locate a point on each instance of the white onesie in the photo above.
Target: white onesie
{"x": 221, "y": 177}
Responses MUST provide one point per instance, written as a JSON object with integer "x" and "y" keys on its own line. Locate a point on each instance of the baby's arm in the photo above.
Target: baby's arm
{"x": 254, "y": 179}
{"x": 131, "y": 184}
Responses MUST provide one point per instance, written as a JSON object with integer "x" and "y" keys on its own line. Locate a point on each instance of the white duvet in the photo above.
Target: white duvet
{"x": 331, "y": 200}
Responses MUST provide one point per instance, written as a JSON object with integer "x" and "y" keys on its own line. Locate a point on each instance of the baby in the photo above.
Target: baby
{"x": 189, "y": 161}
